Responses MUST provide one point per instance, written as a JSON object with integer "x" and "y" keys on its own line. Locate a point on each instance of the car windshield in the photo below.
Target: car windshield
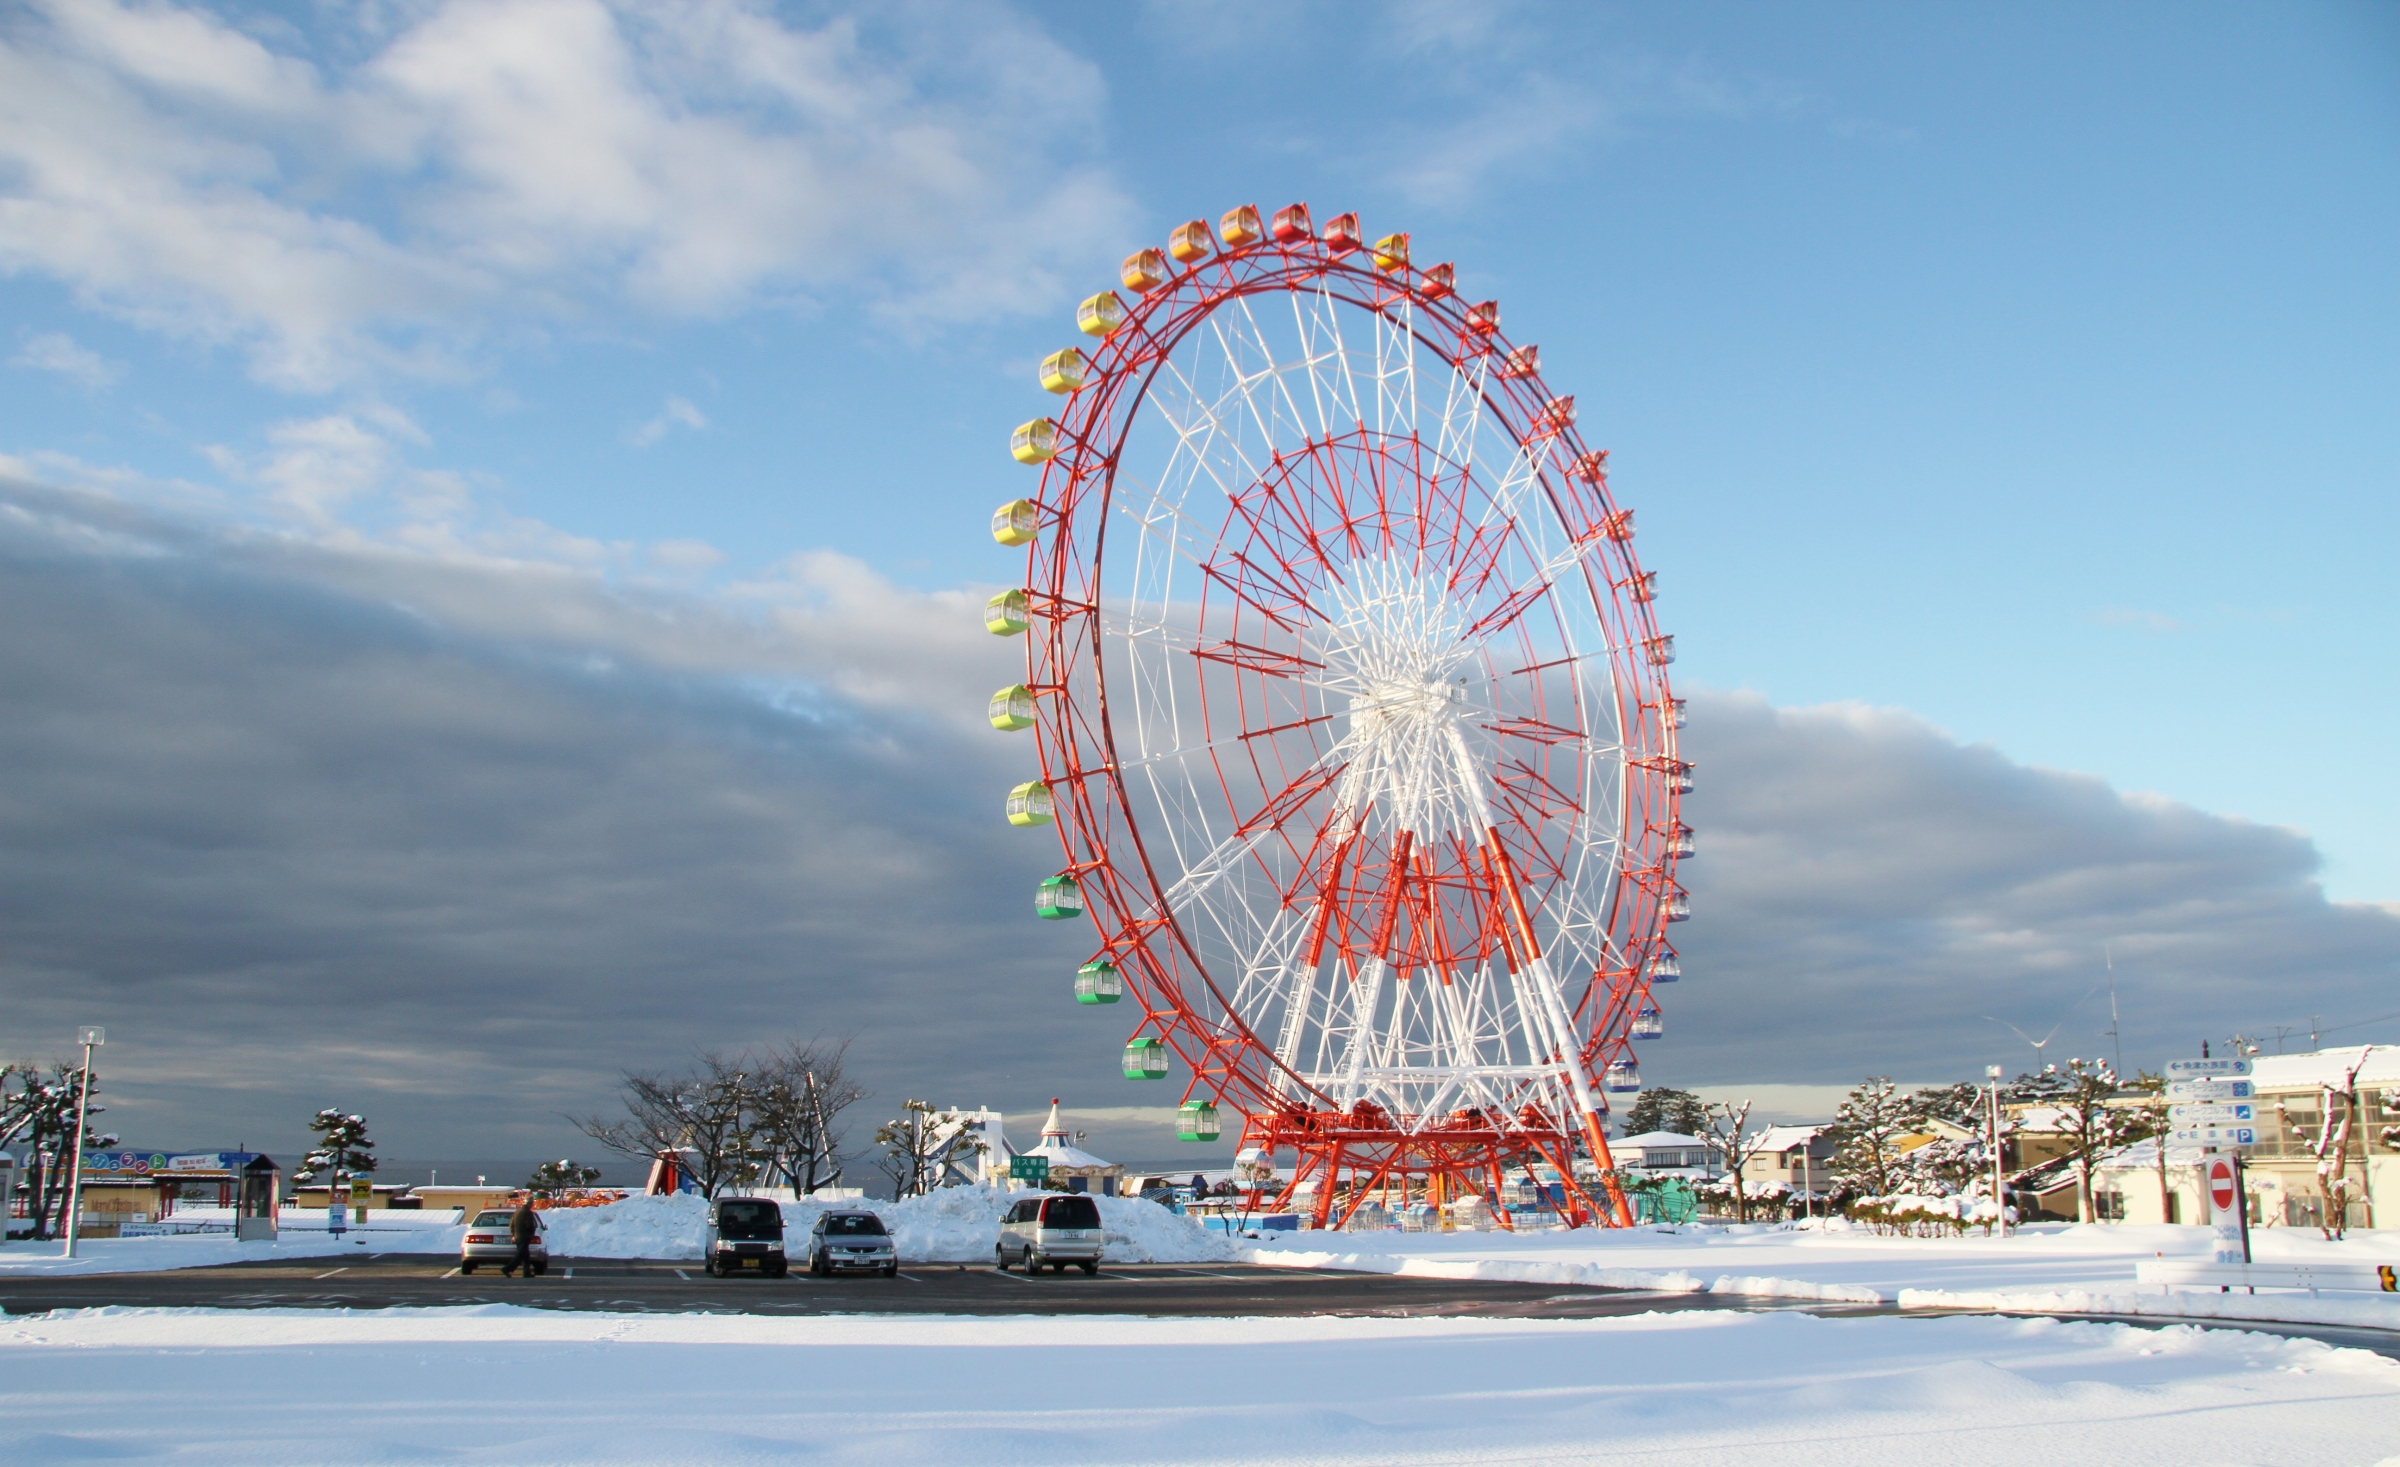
{"x": 1070, "y": 1212}
{"x": 749, "y": 1220}
{"x": 491, "y": 1219}
{"x": 854, "y": 1225}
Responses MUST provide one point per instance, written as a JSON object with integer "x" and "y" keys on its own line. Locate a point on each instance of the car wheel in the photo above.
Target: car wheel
{"x": 541, "y": 1268}
{"x": 1092, "y": 1269}
{"x": 465, "y": 1267}
{"x": 999, "y": 1258}
{"x": 1033, "y": 1262}
{"x": 891, "y": 1270}
{"x": 709, "y": 1266}
{"x": 818, "y": 1266}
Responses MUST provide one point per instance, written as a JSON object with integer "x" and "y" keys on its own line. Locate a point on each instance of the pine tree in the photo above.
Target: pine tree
{"x": 2093, "y": 1127}
{"x": 343, "y": 1150}
{"x": 1866, "y": 1134}
{"x": 1663, "y": 1108}
{"x": 564, "y": 1175}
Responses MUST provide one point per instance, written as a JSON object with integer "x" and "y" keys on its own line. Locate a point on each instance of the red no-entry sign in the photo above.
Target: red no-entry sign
{"x": 2221, "y": 1191}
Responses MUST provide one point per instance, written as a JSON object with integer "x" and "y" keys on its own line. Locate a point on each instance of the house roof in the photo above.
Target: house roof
{"x": 2377, "y": 1064}
{"x": 1661, "y": 1141}
{"x": 1784, "y": 1138}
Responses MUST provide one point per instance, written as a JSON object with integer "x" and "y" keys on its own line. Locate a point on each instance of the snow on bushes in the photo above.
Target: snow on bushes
{"x": 953, "y": 1225}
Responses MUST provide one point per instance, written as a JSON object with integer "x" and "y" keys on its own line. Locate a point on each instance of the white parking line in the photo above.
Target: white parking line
{"x": 451, "y": 1274}
{"x": 570, "y": 1273}
{"x": 1004, "y": 1273}
{"x": 345, "y": 1268}
{"x": 679, "y": 1273}
{"x": 912, "y": 1278}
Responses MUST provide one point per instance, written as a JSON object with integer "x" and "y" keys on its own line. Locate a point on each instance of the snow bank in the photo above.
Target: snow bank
{"x": 953, "y": 1225}
{"x": 2369, "y": 1311}
{"x": 1587, "y": 1275}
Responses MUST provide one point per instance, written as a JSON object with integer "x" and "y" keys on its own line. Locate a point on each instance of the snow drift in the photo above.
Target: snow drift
{"x": 954, "y": 1225}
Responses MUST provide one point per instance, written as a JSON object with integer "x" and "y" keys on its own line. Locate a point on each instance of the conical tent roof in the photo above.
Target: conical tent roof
{"x": 1058, "y": 1145}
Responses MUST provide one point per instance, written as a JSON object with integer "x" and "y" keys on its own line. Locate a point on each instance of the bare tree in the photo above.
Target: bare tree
{"x": 913, "y": 1144}
{"x": 703, "y": 1111}
{"x": 1729, "y": 1133}
{"x": 799, "y": 1094}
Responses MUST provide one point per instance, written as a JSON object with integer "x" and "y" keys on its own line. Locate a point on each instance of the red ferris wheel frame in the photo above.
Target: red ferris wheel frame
{"x": 1495, "y": 892}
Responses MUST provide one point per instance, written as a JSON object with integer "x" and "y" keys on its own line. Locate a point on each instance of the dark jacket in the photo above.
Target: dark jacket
{"x": 524, "y": 1227}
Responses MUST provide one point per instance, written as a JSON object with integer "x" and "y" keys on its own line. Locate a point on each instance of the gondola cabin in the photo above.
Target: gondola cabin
{"x": 1029, "y": 804}
{"x": 1591, "y": 468}
{"x": 1663, "y": 967}
{"x": 1065, "y": 370}
{"x": 1240, "y": 227}
{"x": 1145, "y": 271}
{"x": 1659, "y": 649}
{"x": 1007, "y": 614}
{"x": 1648, "y": 1023}
{"x": 1524, "y": 361}
{"x": 1341, "y": 234}
{"x": 1035, "y": 442}
{"x": 1146, "y": 1059}
{"x": 1017, "y": 523}
{"x": 1391, "y": 252}
{"x": 1190, "y": 244}
{"x": 1439, "y": 281}
{"x": 1484, "y": 319}
{"x": 1680, "y": 844}
{"x": 1011, "y": 708}
{"x": 1058, "y": 898}
{"x": 1291, "y": 224}
{"x": 1196, "y": 1120}
{"x": 1622, "y": 1078}
{"x": 1642, "y": 587}
{"x": 1618, "y": 526}
{"x": 1099, "y": 981}
{"x": 1679, "y": 905}
{"x": 1101, "y": 315}
{"x": 1559, "y": 412}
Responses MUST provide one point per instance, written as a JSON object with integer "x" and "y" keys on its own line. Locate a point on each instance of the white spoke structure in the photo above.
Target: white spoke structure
{"x": 1351, "y": 707}
{"x": 1394, "y": 682}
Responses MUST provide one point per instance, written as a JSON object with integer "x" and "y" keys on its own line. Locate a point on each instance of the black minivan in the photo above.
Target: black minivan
{"x": 745, "y": 1235}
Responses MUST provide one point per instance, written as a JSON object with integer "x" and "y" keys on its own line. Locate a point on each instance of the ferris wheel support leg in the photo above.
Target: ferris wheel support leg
{"x": 1595, "y": 1136}
{"x": 1332, "y": 1169}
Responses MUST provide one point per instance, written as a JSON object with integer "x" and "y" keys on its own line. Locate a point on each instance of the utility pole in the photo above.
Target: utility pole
{"x": 1999, "y": 1194}
{"x": 90, "y": 1038}
{"x": 2113, "y": 1038}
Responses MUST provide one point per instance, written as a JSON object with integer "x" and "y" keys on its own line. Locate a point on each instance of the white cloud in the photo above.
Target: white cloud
{"x": 55, "y": 351}
{"x": 676, "y": 413}
{"x": 501, "y": 161}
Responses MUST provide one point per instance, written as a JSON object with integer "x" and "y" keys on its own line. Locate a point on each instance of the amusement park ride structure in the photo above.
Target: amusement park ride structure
{"x": 1353, "y": 715}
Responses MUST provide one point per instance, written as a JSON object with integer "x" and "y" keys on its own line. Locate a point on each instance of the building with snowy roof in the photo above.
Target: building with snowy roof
{"x": 1790, "y": 1162}
{"x": 1073, "y": 1169}
{"x": 1667, "y": 1153}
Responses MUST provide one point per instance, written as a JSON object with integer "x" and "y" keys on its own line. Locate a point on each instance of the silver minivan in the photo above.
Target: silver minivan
{"x": 1053, "y": 1229}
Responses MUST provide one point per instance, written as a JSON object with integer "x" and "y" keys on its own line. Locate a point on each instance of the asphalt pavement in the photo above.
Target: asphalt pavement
{"x": 656, "y": 1286}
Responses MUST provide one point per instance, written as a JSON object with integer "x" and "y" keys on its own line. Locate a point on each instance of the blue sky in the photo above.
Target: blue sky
{"x": 2030, "y": 370}
{"x": 2027, "y": 372}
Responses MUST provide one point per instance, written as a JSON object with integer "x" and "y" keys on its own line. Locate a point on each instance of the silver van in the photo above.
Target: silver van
{"x": 1053, "y": 1229}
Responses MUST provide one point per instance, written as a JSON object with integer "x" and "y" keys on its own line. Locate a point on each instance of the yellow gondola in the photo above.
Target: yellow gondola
{"x": 1064, "y": 370}
{"x": 1017, "y": 522}
{"x": 1101, "y": 315}
{"x": 1391, "y": 252}
{"x": 1035, "y": 442}
{"x": 1145, "y": 271}
{"x": 1007, "y": 614}
{"x": 1190, "y": 244}
{"x": 1011, "y": 708}
{"x": 1240, "y": 227}
{"x": 1029, "y": 804}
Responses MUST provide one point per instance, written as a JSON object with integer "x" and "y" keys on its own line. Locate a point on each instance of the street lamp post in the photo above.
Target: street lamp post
{"x": 91, "y": 1037}
{"x": 1999, "y": 1195}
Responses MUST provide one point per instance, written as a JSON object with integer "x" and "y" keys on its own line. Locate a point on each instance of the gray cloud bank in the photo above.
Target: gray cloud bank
{"x": 454, "y": 841}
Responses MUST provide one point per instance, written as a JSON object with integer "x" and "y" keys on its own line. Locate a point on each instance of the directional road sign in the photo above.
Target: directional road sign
{"x": 2207, "y": 1090}
{"x": 2214, "y": 1136}
{"x": 2241, "y": 1114}
{"x": 2207, "y": 1069}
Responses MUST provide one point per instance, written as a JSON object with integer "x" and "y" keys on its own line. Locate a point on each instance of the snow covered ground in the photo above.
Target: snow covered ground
{"x": 2057, "y": 1266}
{"x": 503, "y": 1384}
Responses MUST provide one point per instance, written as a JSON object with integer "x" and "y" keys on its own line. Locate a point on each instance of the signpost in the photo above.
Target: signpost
{"x": 2232, "y": 1114}
{"x": 2208, "y": 1069}
{"x": 2195, "y": 1092}
{"x": 362, "y": 1192}
{"x": 1034, "y": 1169}
{"x": 2214, "y": 1138}
{"x": 91, "y": 1037}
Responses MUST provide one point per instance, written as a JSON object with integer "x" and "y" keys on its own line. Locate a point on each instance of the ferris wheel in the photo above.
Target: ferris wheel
{"x": 1352, "y": 714}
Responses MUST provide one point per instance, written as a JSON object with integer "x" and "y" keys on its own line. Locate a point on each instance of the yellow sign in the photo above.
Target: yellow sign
{"x": 362, "y": 1190}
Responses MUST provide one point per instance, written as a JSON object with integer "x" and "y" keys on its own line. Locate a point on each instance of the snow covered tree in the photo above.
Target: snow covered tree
{"x": 798, "y": 1100}
{"x": 743, "y": 1118}
{"x": 1664, "y": 1108}
{"x": 2331, "y": 1145}
{"x": 564, "y": 1175}
{"x": 42, "y": 1111}
{"x": 2090, "y": 1116}
{"x": 1729, "y": 1134}
{"x": 1866, "y": 1134}
{"x": 913, "y": 1145}
{"x": 343, "y": 1150}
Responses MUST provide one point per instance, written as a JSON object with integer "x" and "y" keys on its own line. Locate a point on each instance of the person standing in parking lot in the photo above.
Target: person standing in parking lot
{"x": 523, "y": 1228}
